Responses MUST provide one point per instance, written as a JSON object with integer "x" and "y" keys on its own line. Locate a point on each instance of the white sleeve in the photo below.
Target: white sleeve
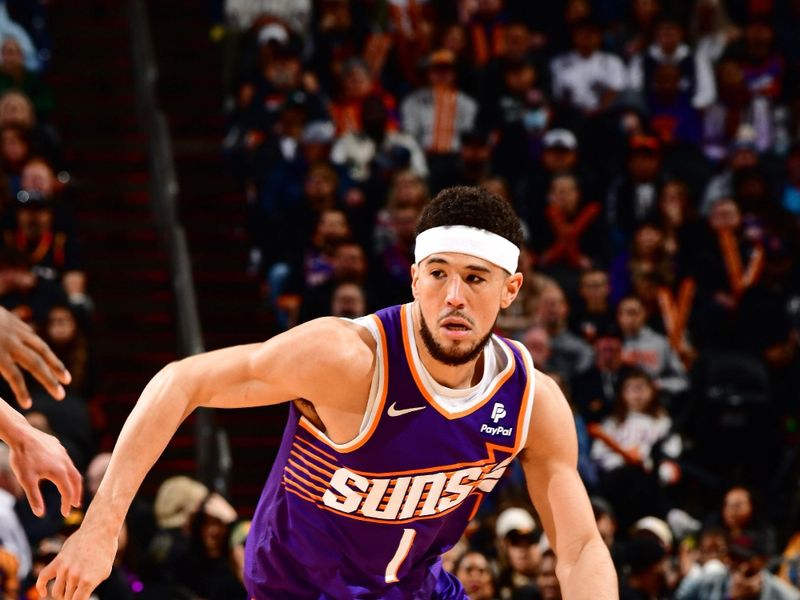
{"x": 705, "y": 90}
{"x": 636, "y": 73}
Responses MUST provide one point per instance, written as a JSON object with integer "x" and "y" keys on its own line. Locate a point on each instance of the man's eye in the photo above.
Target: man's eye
{"x": 474, "y": 279}
{"x": 436, "y": 274}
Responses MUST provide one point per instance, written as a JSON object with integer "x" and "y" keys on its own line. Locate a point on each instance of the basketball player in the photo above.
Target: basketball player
{"x": 34, "y": 454}
{"x": 409, "y": 417}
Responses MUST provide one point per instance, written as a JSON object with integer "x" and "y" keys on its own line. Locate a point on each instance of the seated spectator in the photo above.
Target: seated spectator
{"x": 396, "y": 258}
{"x": 231, "y": 586}
{"x": 205, "y": 564}
{"x": 673, "y": 118}
{"x": 65, "y": 336}
{"x": 348, "y": 265}
{"x": 649, "y": 350}
{"x": 518, "y": 117}
{"x": 356, "y": 85}
{"x": 570, "y": 354}
{"x": 375, "y": 148}
{"x": 15, "y": 75}
{"x": 647, "y": 255}
{"x": 571, "y": 237}
{"x": 519, "y": 554}
{"x": 546, "y": 581}
{"x": 694, "y": 75}
{"x": 593, "y": 312}
{"x": 348, "y": 301}
{"x": 739, "y": 517}
{"x": 15, "y": 152}
{"x": 475, "y": 573}
{"x": 587, "y": 79}
{"x": 537, "y": 341}
{"x": 630, "y": 447}
{"x": 634, "y": 34}
{"x": 438, "y": 114}
{"x": 678, "y": 221}
{"x": 645, "y": 576}
{"x": 744, "y": 576}
{"x": 633, "y": 196}
{"x": 17, "y": 109}
{"x": 12, "y": 29}
{"x": 762, "y": 63}
{"x": 560, "y": 154}
{"x": 595, "y": 391}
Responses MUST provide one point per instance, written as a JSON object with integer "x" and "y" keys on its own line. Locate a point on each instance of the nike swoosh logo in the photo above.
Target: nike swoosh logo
{"x": 397, "y": 412}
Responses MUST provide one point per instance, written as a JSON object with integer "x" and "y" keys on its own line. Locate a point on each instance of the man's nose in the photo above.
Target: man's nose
{"x": 455, "y": 295}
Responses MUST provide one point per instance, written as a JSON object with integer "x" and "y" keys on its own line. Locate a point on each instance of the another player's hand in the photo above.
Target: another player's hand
{"x": 20, "y": 347}
{"x": 84, "y": 561}
{"x": 35, "y": 455}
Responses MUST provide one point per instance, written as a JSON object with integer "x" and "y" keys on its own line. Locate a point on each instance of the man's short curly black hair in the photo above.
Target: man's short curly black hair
{"x": 473, "y": 207}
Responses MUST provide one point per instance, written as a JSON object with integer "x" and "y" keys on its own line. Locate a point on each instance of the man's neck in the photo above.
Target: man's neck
{"x": 454, "y": 377}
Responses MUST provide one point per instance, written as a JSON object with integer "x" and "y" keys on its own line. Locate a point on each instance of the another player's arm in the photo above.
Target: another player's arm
{"x": 304, "y": 362}
{"x": 584, "y": 566}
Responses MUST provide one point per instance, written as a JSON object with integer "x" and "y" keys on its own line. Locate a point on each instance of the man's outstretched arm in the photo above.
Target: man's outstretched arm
{"x": 584, "y": 568}
{"x": 295, "y": 364}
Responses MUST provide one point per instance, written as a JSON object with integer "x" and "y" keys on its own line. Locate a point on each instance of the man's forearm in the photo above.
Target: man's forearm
{"x": 12, "y": 424}
{"x": 161, "y": 408}
{"x": 592, "y": 576}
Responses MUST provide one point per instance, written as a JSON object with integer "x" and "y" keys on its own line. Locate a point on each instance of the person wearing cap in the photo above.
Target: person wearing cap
{"x": 745, "y": 576}
{"x": 436, "y": 115}
{"x": 645, "y": 561}
{"x": 401, "y": 422}
{"x": 519, "y": 551}
{"x": 633, "y": 196}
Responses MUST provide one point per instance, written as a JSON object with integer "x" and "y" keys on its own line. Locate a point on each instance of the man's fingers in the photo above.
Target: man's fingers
{"x": 72, "y": 585}
{"x": 36, "y": 366}
{"x": 45, "y": 575}
{"x": 76, "y": 495}
{"x": 14, "y": 377}
{"x": 53, "y": 362}
{"x": 83, "y": 592}
{"x": 34, "y": 495}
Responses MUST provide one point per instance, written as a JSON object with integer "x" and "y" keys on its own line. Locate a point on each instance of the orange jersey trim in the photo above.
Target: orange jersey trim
{"x": 362, "y": 437}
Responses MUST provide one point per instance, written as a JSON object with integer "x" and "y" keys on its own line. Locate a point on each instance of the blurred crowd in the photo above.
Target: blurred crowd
{"x": 651, "y": 149}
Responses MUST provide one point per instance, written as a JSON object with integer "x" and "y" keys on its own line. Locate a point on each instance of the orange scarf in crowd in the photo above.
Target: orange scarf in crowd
{"x": 444, "y": 120}
{"x": 739, "y": 277}
{"x": 47, "y": 240}
{"x": 675, "y": 312}
{"x": 568, "y": 234}
{"x": 480, "y": 43}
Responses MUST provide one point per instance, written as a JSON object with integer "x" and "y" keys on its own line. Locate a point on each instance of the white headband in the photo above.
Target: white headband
{"x": 467, "y": 240}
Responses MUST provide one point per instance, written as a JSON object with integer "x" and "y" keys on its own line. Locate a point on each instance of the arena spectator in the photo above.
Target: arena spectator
{"x": 519, "y": 553}
{"x": 744, "y": 576}
{"x": 349, "y": 301}
{"x": 474, "y": 572}
{"x": 693, "y": 75}
{"x": 593, "y": 311}
{"x": 570, "y": 354}
{"x": 438, "y": 114}
{"x": 649, "y": 350}
{"x": 15, "y": 75}
{"x": 633, "y": 196}
{"x": 546, "y": 580}
{"x": 740, "y": 517}
{"x": 587, "y": 79}
{"x": 646, "y": 576}
{"x": 630, "y": 446}
{"x": 595, "y": 391}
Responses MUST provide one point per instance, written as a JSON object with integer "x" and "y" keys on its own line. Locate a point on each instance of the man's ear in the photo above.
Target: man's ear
{"x": 511, "y": 288}
{"x": 414, "y": 279}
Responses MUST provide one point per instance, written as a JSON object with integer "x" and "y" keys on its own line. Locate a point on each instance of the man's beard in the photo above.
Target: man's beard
{"x": 454, "y": 358}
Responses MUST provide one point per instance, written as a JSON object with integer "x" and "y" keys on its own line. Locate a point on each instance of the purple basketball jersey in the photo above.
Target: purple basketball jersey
{"x": 371, "y": 518}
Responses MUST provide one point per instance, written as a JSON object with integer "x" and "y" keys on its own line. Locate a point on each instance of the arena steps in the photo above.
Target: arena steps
{"x": 133, "y": 329}
{"x": 213, "y": 212}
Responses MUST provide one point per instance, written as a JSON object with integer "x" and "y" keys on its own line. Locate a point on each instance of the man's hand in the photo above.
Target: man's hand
{"x": 21, "y": 347}
{"x": 84, "y": 561}
{"x": 35, "y": 455}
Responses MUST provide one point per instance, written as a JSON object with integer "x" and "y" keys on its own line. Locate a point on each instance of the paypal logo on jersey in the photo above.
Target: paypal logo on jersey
{"x": 498, "y": 412}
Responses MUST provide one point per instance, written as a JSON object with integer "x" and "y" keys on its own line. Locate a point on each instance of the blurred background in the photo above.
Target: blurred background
{"x": 182, "y": 176}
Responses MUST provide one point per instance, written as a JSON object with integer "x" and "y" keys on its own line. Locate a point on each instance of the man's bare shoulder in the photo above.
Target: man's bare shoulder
{"x": 552, "y": 431}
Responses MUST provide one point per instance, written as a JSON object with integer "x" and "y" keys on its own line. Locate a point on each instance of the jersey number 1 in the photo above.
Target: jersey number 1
{"x": 402, "y": 552}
